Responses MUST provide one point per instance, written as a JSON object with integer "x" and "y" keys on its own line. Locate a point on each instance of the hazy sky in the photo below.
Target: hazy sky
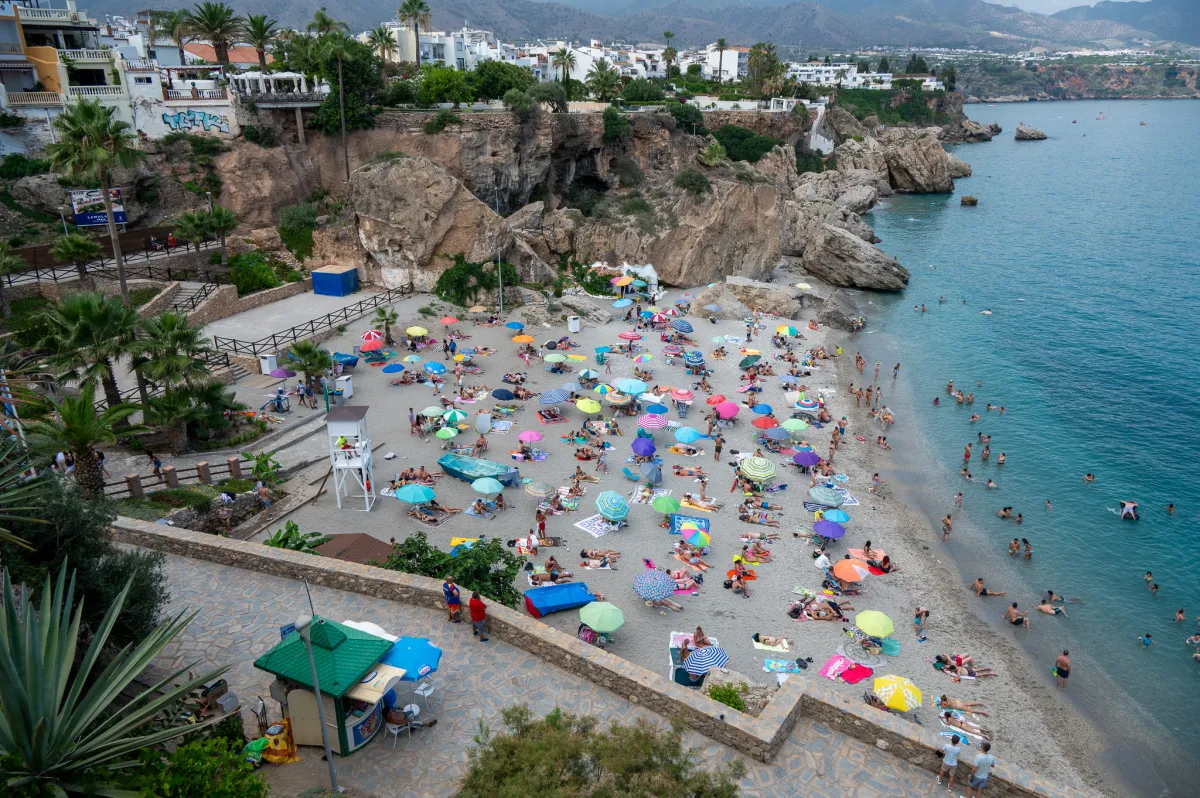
{"x": 1044, "y": 6}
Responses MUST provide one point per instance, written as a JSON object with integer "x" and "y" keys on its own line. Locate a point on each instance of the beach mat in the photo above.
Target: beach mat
{"x": 781, "y": 666}
{"x": 856, "y": 674}
{"x": 501, "y": 427}
{"x": 678, "y": 520}
{"x": 834, "y": 666}
{"x": 782, "y": 649}
{"x": 594, "y": 525}
{"x": 654, "y": 495}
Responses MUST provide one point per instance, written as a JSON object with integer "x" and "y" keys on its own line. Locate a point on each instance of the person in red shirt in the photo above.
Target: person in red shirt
{"x": 478, "y": 612}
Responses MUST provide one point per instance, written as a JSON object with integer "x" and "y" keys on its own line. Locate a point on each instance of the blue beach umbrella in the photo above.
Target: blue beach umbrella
{"x": 652, "y": 472}
{"x": 682, "y": 326}
{"x": 713, "y": 308}
{"x": 622, "y": 303}
{"x": 643, "y": 447}
{"x": 487, "y": 486}
{"x": 788, "y": 379}
{"x": 645, "y": 314}
{"x": 393, "y": 368}
{"x": 638, "y": 283}
{"x": 503, "y": 394}
{"x": 612, "y": 505}
{"x": 777, "y": 434}
{"x": 603, "y": 349}
{"x": 828, "y": 529}
{"x": 415, "y": 494}
{"x": 632, "y": 387}
{"x": 657, "y": 409}
{"x": 653, "y": 585}
{"x": 837, "y": 516}
{"x": 762, "y": 409}
{"x": 416, "y": 656}
{"x": 433, "y": 367}
{"x": 554, "y": 397}
{"x": 687, "y": 435}
{"x": 682, "y": 301}
{"x": 515, "y": 325}
{"x": 705, "y": 658}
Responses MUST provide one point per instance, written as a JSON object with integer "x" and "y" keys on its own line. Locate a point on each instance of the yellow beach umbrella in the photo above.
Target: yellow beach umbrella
{"x": 624, "y": 281}
{"x": 898, "y": 692}
{"x": 588, "y": 406}
{"x": 522, "y": 339}
{"x": 417, "y": 332}
{"x": 874, "y": 623}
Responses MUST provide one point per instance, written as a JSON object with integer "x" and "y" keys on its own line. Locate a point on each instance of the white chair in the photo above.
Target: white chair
{"x": 425, "y": 689}
{"x": 394, "y": 729}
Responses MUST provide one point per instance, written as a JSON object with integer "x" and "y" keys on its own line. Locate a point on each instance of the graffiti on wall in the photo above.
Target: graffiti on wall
{"x": 187, "y": 120}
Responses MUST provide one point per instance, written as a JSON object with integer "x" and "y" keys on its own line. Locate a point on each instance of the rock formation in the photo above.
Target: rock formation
{"x": 968, "y": 200}
{"x": 837, "y": 310}
{"x": 719, "y": 295}
{"x": 910, "y": 159}
{"x": 969, "y": 131}
{"x": 843, "y": 259}
{"x": 958, "y": 167}
{"x": 782, "y": 300}
{"x": 1026, "y": 133}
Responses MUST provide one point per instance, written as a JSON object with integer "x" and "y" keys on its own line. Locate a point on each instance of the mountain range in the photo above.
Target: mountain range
{"x": 818, "y": 24}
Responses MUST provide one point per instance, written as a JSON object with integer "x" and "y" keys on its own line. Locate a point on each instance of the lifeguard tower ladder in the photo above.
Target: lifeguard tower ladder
{"x": 350, "y": 454}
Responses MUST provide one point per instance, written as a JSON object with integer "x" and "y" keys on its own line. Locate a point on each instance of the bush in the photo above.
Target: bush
{"x": 713, "y": 154}
{"x": 693, "y": 181}
{"x": 441, "y": 119}
{"x": 140, "y": 296}
{"x": 728, "y": 695}
{"x": 296, "y": 225}
{"x": 743, "y": 144}
{"x": 17, "y": 165}
{"x": 398, "y": 92}
{"x": 250, "y": 272}
{"x": 8, "y": 120}
{"x": 212, "y": 768}
{"x": 641, "y": 90}
{"x": 520, "y": 104}
{"x": 688, "y": 117}
{"x": 616, "y": 126}
{"x": 488, "y": 566}
{"x": 588, "y": 201}
{"x": 464, "y": 281}
{"x": 629, "y": 173}
{"x": 262, "y": 136}
{"x": 809, "y": 162}
{"x": 636, "y": 204}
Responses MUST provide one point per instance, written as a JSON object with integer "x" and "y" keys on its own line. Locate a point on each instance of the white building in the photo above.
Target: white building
{"x": 462, "y": 49}
{"x": 729, "y": 65}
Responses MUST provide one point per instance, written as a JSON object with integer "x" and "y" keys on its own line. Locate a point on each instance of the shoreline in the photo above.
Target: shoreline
{"x": 1006, "y": 100}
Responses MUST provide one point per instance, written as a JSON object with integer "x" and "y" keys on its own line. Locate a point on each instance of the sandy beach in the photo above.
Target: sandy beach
{"x": 1032, "y": 728}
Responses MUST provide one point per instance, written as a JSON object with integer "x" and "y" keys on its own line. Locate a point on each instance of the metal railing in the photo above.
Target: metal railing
{"x": 282, "y": 98}
{"x": 194, "y": 94}
{"x": 96, "y": 91}
{"x": 87, "y": 55}
{"x": 194, "y": 301}
{"x": 275, "y": 342}
{"x": 34, "y": 98}
{"x": 138, "y": 258}
{"x": 214, "y": 360}
{"x": 11, "y": 48}
{"x": 141, "y": 65}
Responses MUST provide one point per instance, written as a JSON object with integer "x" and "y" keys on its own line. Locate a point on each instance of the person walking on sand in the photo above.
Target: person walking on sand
{"x": 1062, "y": 669}
{"x": 453, "y": 599}
{"x": 602, "y": 462}
{"x": 718, "y": 442}
{"x": 1015, "y": 617}
{"x": 947, "y": 528}
{"x": 877, "y": 364}
{"x": 980, "y": 770}
{"x": 478, "y": 611}
{"x": 949, "y": 754}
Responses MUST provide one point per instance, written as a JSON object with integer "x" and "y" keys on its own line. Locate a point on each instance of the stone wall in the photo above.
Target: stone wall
{"x": 758, "y": 737}
{"x": 224, "y": 302}
{"x": 57, "y": 292}
{"x": 160, "y": 302}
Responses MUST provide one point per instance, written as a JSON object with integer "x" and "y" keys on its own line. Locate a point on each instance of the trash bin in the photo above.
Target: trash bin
{"x": 267, "y": 363}
{"x": 573, "y": 324}
{"x": 345, "y": 386}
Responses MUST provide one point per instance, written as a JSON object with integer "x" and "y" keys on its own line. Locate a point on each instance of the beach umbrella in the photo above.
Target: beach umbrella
{"x": 651, "y": 472}
{"x": 416, "y": 332}
{"x": 643, "y": 447}
{"x": 612, "y": 505}
{"x": 806, "y": 459}
{"x": 687, "y": 435}
{"x": 653, "y": 585}
{"x": 618, "y": 399}
{"x": 629, "y": 335}
{"x": 630, "y": 386}
{"x": 454, "y": 416}
{"x": 666, "y": 504}
{"x": 621, "y": 282}
{"x": 727, "y": 410}
{"x": 874, "y": 622}
{"x": 657, "y": 409}
{"x": 392, "y": 368}
{"x": 416, "y": 656}
{"x": 434, "y": 367}
{"x": 657, "y": 318}
{"x": 765, "y": 422}
{"x": 529, "y": 436}
{"x": 602, "y": 616}
{"x": 671, "y": 312}
{"x": 413, "y": 359}
{"x": 757, "y": 469}
{"x": 807, "y": 404}
{"x": 622, "y": 303}
{"x": 371, "y": 335}
{"x": 682, "y": 395}
{"x": 703, "y": 659}
{"x": 763, "y": 409}
{"x": 587, "y": 406}
{"x": 522, "y": 339}
{"x": 555, "y": 358}
{"x": 786, "y": 329}
{"x": 603, "y": 389}
{"x": 837, "y": 516}
{"x": 503, "y": 394}
{"x": 804, "y": 286}
{"x": 283, "y": 373}
{"x": 589, "y": 374}
{"x": 476, "y": 309}
{"x": 693, "y": 356}
{"x": 747, "y": 362}
{"x": 570, "y": 386}
{"x": 551, "y": 344}
{"x": 603, "y": 349}
{"x": 777, "y": 434}
{"x": 448, "y": 320}
{"x": 672, "y": 349}
{"x": 697, "y": 537}
{"x": 715, "y": 399}
{"x": 654, "y": 308}
{"x": 433, "y": 411}
{"x": 788, "y": 379}
{"x": 540, "y": 490}
{"x": 461, "y": 357}
{"x": 515, "y": 325}
{"x": 827, "y": 496}
{"x": 446, "y": 433}
{"x": 554, "y": 397}
{"x": 713, "y": 308}
{"x": 576, "y": 357}
{"x": 645, "y": 314}
{"x": 651, "y": 421}
{"x": 794, "y": 424}
{"x": 683, "y": 300}
{"x": 682, "y": 326}
{"x": 638, "y": 283}
{"x": 851, "y": 570}
{"x": 371, "y": 346}
{"x": 415, "y": 494}
{"x": 897, "y": 693}
{"x": 828, "y": 529}
{"x": 645, "y": 357}
{"x": 487, "y": 486}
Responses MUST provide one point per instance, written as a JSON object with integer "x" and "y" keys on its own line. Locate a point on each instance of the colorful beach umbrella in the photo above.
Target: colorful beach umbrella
{"x": 622, "y": 303}
{"x": 682, "y": 395}
{"x": 487, "y": 486}
{"x": 657, "y": 318}
{"x": 777, "y": 434}
{"x": 629, "y": 335}
{"x": 836, "y": 516}
{"x": 763, "y": 409}
{"x": 371, "y": 335}
{"x": 371, "y": 346}
{"x": 416, "y": 332}
{"x": 415, "y": 494}
{"x": 454, "y": 416}
{"x": 727, "y": 410}
{"x": 522, "y": 339}
{"x": 587, "y": 406}
{"x": 446, "y": 433}
{"x": 682, "y": 326}
{"x": 715, "y": 399}
{"x": 897, "y": 693}
{"x": 666, "y": 504}
{"x": 413, "y": 359}
{"x": 540, "y": 490}
{"x": 806, "y": 459}
{"x": 602, "y": 616}
{"x": 794, "y": 424}
{"x": 656, "y": 409}
{"x": 630, "y": 386}
{"x": 612, "y": 505}
{"x": 603, "y": 389}
{"x": 787, "y": 329}
{"x": 851, "y": 570}
{"x": 651, "y": 421}
{"x": 643, "y": 447}
{"x": 529, "y": 436}
{"x": 705, "y": 658}
{"x": 621, "y": 282}
{"x": 588, "y": 374}
{"x": 618, "y": 399}
{"x": 555, "y": 358}
{"x": 554, "y": 397}
{"x": 645, "y": 357}
{"x": 828, "y": 529}
{"x": 433, "y": 411}
{"x": 282, "y": 373}
{"x": 434, "y": 367}
{"x": 698, "y": 538}
{"x": 653, "y": 585}
{"x": 747, "y": 362}
{"x": 756, "y": 469}
{"x": 874, "y": 622}
{"x": 671, "y": 312}
{"x": 687, "y": 435}
{"x": 826, "y": 496}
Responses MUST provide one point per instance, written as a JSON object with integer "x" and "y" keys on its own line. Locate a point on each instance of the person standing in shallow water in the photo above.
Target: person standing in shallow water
{"x": 1062, "y": 669}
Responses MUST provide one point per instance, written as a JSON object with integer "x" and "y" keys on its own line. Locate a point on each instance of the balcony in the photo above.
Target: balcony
{"x": 48, "y": 14}
{"x": 141, "y": 65}
{"x": 194, "y": 94}
{"x": 86, "y": 55}
{"x": 96, "y": 91}
{"x": 11, "y": 48}
{"x": 34, "y": 98}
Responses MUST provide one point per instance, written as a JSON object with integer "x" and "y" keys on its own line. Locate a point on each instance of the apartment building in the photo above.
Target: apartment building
{"x": 728, "y": 65}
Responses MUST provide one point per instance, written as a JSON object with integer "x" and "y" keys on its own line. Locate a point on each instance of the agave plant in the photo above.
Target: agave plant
{"x": 64, "y": 728}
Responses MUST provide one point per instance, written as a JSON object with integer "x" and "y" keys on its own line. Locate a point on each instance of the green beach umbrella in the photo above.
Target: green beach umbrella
{"x": 487, "y": 486}
{"x": 555, "y": 358}
{"x": 446, "y": 433}
{"x": 666, "y": 505}
{"x": 433, "y": 411}
{"x": 794, "y": 425}
{"x": 602, "y": 616}
{"x": 454, "y": 416}
{"x": 747, "y": 362}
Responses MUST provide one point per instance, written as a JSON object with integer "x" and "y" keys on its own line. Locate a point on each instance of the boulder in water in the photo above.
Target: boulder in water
{"x": 1026, "y": 133}
{"x": 969, "y": 200}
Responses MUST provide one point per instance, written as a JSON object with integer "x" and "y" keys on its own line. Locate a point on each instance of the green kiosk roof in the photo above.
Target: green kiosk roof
{"x": 342, "y": 655}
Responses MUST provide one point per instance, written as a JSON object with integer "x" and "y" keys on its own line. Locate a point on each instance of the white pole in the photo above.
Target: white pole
{"x": 303, "y": 625}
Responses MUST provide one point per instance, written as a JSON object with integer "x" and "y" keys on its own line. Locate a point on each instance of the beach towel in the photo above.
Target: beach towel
{"x": 783, "y": 648}
{"x": 551, "y": 420}
{"x": 501, "y": 427}
{"x": 855, "y": 653}
{"x": 749, "y": 577}
{"x": 678, "y": 520}
{"x": 963, "y": 739}
{"x": 564, "y": 492}
{"x": 684, "y": 560}
{"x": 780, "y": 666}
{"x": 813, "y": 507}
{"x": 595, "y": 526}
{"x": 687, "y": 591}
{"x": 601, "y": 568}
{"x": 848, "y": 499}
{"x": 890, "y": 646}
{"x": 461, "y": 541}
{"x": 471, "y": 511}
{"x": 683, "y": 453}
{"x": 691, "y": 506}
{"x": 858, "y": 554}
{"x": 835, "y": 666}
{"x": 856, "y": 674}
{"x": 638, "y": 496}
{"x": 435, "y": 520}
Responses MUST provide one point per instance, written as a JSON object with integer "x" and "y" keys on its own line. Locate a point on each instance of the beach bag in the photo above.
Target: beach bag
{"x": 727, "y": 584}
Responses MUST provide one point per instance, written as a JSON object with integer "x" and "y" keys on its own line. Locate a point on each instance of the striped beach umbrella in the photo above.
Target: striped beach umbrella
{"x": 433, "y": 411}
{"x": 851, "y": 570}
{"x": 697, "y": 537}
{"x": 653, "y": 585}
{"x": 687, "y": 435}
{"x": 629, "y": 335}
{"x": 704, "y": 658}
{"x": 413, "y": 359}
{"x": 897, "y": 692}
{"x": 446, "y": 433}
{"x": 612, "y": 505}
{"x": 454, "y": 416}
{"x": 671, "y": 312}
{"x": 603, "y": 389}
{"x": 372, "y": 335}
{"x": 757, "y": 469}
{"x": 682, "y": 395}
{"x": 540, "y": 490}
{"x": 587, "y": 406}
{"x": 786, "y": 329}
{"x": 657, "y": 318}
{"x": 415, "y": 494}
{"x": 651, "y": 421}
{"x": 588, "y": 374}
{"x": 682, "y": 326}
{"x": 618, "y": 399}
{"x": 715, "y": 399}
{"x": 807, "y": 404}
{"x": 554, "y": 397}
{"x": 826, "y": 496}
{"x": 672, "y": 349}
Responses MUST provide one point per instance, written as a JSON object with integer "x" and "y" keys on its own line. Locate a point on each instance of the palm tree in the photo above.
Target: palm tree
{"x": 381, "y": 40}
{"x": 310, "y": 359}
{"x": 60, "y": 724}
{"x": 603, "y": 81}
{"x": 192, "y": 227}
{"x": 154, "y": 30}
{"x": 77, "y": 427}
{"x": 323, "y": 22}
{"x": 173, "y": 410}
{"x": 416, "y": 14}
{"x": 564, "y": 59}
{"x": 221, "y": 222}
{"x": 213, "y": 401}
{"x": 219, "y": 24}
{"x": 172, "y": 351}
{"x": 722, "y": 46}
{"x": 91, "y": 142}
{"x": 76, "y": 249}
{"x": 85, "y": 336}
{"x": 385, "y": 317}
{"x": 10, "y": 264}
{"x": 259, "y": 33}
{"x": 20, "y": 495}
{"x": 336, "y": 43}
{"x": 177, "y": 25}
{"x": 668, "y": 35}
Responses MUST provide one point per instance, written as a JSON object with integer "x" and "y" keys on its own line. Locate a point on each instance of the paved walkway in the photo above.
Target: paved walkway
{"x": 239, "y": 618}
{"x": 251, "y": 325}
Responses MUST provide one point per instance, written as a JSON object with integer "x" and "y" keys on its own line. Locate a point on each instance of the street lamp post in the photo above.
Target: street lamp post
{"x": 304, "y": 627}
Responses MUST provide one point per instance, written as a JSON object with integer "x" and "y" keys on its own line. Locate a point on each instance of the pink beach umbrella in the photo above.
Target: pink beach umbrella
{"x": 529, "y": 436}
{"x": 652, "y": 421}
{"x": 682, "y": 395}
{"x": 727, "y": 410}
{"x": 629, "y": 335}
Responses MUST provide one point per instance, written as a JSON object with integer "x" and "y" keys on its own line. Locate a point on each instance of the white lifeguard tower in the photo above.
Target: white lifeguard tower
{"x": 350, "y": 454}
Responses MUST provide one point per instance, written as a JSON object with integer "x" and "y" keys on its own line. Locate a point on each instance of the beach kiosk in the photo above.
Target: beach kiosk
{"x": 353, "y": 683}
{"x": 350, "y": 454}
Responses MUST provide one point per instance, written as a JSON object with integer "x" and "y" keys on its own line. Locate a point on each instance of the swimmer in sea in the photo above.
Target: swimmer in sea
{"x": 1000, "y": 459}
{"x": 1049, "y": 506}
{"x": 992, "y": 484}
{"x": 1020, "y": 518}
{"x": 974, "y": 417}
{"x": 936, "y": 401}
{"x": 1149, "y": 577}
{"x": 1179, "y": 616}
{"x": 1089, "y": 477}
{"x": 941, "y": 300}
{"x": 958, "y": 500}
{"x": 1028, "y": 548}
{"x": 1052, "y": 597}
{"x": 1014, "y": 548}
{"x": 1170, "y": 509}
{"x": 1049, "y": 610}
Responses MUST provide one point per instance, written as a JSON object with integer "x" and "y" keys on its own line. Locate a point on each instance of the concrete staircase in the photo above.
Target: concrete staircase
{"x": 188, "y": 291}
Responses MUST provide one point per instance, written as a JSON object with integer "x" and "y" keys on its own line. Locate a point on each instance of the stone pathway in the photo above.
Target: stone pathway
{"x": 239, "y": 618}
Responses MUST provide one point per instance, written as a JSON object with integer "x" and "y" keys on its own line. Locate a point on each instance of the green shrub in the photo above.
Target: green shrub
{"x": 688, "y": 117}
{"x": 206, "y": 145}
{"x": 212, "y": 768}
{"x": 383, "y": 156}
{"x": 809, "y": 162}
{"x": 8, "y": 120}
{"x": 235, "y": 485}
{"x": 628, "y": 171}
{"x": 636, "y": 203}
{"x": 713, "y": 154}
{"x": 588, "y": 201}
{"x": 641, "y": 90}
{"x": 17, "y": 166}
{"x": 488, "y": 567}
{"x": 464, "y": 281}
{"x": 140, "y": 296}
{"x": 296, "y": 225}
{"x": 743, "y": 144}
{"x": 693, "y": 181}
{"x": 398, "y": 92}
{"x": 262, "y": 136}
{"x": 441, "y": 119}
{"x": 26, "y": 320}
{"x": 728, "y": 695}
{"x": 10, "y": 202}
{"x": 616, "y": 126}
{"x": 520, "y": 104}
{"x": 251, "y": 272}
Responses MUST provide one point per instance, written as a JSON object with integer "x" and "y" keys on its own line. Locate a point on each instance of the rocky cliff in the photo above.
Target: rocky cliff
{"x": 910, "y": 159}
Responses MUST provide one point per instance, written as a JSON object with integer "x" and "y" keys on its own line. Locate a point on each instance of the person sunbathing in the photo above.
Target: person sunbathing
{"x": 576, "y": 490}
{"x": 701, "y": 503}
{"x": 479, "y": 447}
{"x": 966, "y": 725}
{"x": 608, "y": 554}
{"x": 544, "y": 579}
{"x": 768, "y": 640}
{"x": 688, "y": 471}
{"x": 555, "y": 503}
{"x": 479, "y": 508}
{"x": 585, "y": 453}
{"x": 684, "y": 580}
{"x": 945, "y": 660}
{"x": 693, "y": 559}
{"x": 761, "y": 519}
{"x": 665, "y": 603}
{"x": 434, "y": 504}
{"x": 958, "y": 672}
{"x": 762, "y": 504}
{"x": 685, "y": 449}
{"x": 552, "y": 567}
{"x": 580, "y": 474}
{"x": 685, "y": 650}
{"x": 761, "y": 552}
{"x": 945, "y": 702}
{"x": 699, "y": 639}
{"x": 523, "y": 393}
{"x": 752, "y": 535}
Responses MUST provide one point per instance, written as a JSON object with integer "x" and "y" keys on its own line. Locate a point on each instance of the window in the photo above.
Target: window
{"x": 462, "y": 64}
{"x": 144, "y": 81}
{"x": 439, "y": 52}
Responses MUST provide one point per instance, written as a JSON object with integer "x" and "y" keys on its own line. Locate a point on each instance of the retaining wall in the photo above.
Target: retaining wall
{"x": 224, "y": 302}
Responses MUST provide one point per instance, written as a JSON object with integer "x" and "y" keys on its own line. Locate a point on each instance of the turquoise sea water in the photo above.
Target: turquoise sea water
{"x": 1087, "y": 250}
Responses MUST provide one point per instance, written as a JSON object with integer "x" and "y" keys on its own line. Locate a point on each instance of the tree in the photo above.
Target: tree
{"x": 604, "y": 82}
{"x": 77, "y": 427}
{"x": 491, "y": 80}
{"x": 382, "y": 41}
{"x": 863, "y": 67}
{"x": 416, "y": 14}
{"x": 721, "y": 48}
{"x": 77, "y": 250}
{"x": 616, "y": 126}
{"x": 175, "y": 409}
{"x": 520, "y": 104}
{"x": 669, "y": 55}
{"x": 764, "y": 71}
{"x": 323, "y": 23}
{"x": 310, "y": 359}
{"x": 10, "y": 264}
{"x": 92, "y": 142}
{"x": 578, "y": 753}
{"x": 171, "y": 352}
{"x": 641, "y": 90}
{"x": 21, "y": 491}
{"x": 884, "y": 66}
{"x": 335, "y": 43}
{"x": 564, "y": 59}
{"x": 259, "y": 33}
{"x": 292, "y": 539}
{"x": 177, "y": 25}
{"x": 221, "y": 222}
{"x": 192, "y": 227}
{"x": 385, "y": 317}
{"x": 85, "y": 336}
{"x": 553, "y": 94}
{"x": 57, "y": 739}
{"x": 916, "y": 65}
{"x": 266, "y": 468}
{"x": 688, "y": 118}
{"x": 488, "y": 567}
{"x": 443, "y": 84}
{"x": 743, "y": 144}
{"x": 828, "y": 61}
{"x": 949, "y": 77}
{"x": 218, "y": 24}
{"x": 355, "y": 73}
